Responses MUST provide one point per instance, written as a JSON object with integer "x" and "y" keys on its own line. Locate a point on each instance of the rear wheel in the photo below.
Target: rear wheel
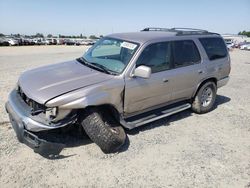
{"x": 103, "y": 130}
{"x": 205, "y": 98}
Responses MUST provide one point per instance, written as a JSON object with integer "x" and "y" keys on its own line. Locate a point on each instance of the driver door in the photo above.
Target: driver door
{"x": 142, "y": 94}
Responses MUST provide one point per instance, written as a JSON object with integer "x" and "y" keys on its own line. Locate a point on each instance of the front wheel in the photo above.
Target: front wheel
{"x": 205, "y": 98}
{"x": 103, "y": 130}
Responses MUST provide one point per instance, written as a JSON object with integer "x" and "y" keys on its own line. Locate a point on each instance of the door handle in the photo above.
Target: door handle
{"x": 218, "y": 69}
{"x": 165, "y": 80}
{"x": 200, "y": 71}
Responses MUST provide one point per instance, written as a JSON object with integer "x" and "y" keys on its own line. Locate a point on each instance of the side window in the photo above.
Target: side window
{"x": 185, "y": 53}
{"x": 156, "y": 56}
{"x": 214, "y": 47}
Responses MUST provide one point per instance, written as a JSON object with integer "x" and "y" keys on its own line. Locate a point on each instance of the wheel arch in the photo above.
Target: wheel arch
{"x": 212, "y": 79}
{"x": 107, "y": 107}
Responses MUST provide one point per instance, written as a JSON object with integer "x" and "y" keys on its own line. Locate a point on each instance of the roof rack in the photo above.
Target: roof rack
{"x": 155, "y": 29}
{"x": 180, "y": 31}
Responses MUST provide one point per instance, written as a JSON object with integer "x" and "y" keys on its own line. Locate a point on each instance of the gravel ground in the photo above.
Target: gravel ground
{"x": 184, "y": 150}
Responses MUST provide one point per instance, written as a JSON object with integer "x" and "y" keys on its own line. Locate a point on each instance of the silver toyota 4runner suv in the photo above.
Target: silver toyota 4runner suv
{"x": 123, "y": 81}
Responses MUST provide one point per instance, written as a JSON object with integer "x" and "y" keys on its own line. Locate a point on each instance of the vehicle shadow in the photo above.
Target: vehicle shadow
{"x": 67, "y": 137}
{"x": 74, "y": 135}
{"x": 220, "y": 99}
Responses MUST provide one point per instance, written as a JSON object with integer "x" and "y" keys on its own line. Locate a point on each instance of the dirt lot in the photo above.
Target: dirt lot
{"x": 184, "y": 150}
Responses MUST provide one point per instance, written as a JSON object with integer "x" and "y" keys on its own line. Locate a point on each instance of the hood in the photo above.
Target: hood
{"x": 45, "y": 83}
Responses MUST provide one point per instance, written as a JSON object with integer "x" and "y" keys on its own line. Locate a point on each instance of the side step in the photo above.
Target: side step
{"x": 151, "y": 116}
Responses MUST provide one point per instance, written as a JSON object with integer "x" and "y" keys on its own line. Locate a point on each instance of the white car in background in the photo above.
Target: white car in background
{"x": 12, "y": 42}
{"x": 229, "y": 43}
{"x": 245, "y": 46}
{"x": 87, "y": 42}
{"x": 39, "y": 41}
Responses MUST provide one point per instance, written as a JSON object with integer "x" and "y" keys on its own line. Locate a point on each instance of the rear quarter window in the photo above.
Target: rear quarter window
{"x": 214, "y": 47}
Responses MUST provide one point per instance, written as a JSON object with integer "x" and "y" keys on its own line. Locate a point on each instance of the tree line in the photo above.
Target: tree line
{"x": 247, "y": 33}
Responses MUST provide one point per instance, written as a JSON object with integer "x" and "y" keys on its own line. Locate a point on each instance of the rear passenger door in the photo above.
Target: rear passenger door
{"x": 188, "y": 69}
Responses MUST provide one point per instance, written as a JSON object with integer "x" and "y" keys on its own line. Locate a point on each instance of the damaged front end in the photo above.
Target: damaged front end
{"x": 29, "y": 118}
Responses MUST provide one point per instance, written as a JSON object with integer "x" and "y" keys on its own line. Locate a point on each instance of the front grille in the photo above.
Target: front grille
{"x": 36, "y": 108}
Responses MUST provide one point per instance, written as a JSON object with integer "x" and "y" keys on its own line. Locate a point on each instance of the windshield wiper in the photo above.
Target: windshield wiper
{"x": 96, "y": 66}
{"x": 82, "y": 61}
{"x": 105, "y": 69}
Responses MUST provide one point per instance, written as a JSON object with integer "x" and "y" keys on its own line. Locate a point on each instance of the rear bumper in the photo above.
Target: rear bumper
{"x": 222, "y": 82}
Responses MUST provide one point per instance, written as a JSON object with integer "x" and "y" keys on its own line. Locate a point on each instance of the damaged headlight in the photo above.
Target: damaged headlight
{"x": 51, "y": 113}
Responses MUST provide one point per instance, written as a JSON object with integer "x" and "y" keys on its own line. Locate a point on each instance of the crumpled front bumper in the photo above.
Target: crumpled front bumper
{"x": 30, "y": 139}
{"x": 25, "y": 127}
{"x": 21, "y": 112}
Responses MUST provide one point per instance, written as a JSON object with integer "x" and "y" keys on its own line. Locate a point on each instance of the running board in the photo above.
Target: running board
{"x": 149, "y": 117}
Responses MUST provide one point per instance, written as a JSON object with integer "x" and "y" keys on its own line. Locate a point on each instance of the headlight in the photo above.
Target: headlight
{"x": 51, "y": 113}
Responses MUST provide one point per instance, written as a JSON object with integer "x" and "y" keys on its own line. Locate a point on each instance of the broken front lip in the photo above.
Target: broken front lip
{"x": 30, "y": 139}
{"x": 20, "y": 113}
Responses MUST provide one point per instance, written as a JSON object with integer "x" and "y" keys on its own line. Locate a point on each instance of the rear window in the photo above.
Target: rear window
{"x": 214, "y": 47}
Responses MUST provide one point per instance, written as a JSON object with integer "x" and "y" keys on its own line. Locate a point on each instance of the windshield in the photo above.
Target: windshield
{"x": 110, "y": 54}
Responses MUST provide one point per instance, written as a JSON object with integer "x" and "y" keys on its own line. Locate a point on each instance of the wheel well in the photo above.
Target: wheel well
{"x": 203, "y": 82}
{"x": 107, "y": 108}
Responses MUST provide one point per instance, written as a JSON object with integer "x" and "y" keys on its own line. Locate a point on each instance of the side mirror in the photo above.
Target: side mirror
{"x": 142, "y": 71}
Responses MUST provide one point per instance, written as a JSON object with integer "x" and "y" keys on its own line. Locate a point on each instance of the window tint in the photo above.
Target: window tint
{"x": 214, "y": 47}
{"x": 156, "y": 56}
{"x": 185, "y": 53}
{"x": 108, "y": 47}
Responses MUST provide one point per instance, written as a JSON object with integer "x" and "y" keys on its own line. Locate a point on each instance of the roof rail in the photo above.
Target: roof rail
{"x": 180, "y": 31}
{"x": 155, "y": 29}
{"x": 189, "y": 31}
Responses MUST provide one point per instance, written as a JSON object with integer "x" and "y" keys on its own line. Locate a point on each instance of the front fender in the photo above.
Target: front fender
{"x": 100, "y": 94}
{"x": 91, "y": 100}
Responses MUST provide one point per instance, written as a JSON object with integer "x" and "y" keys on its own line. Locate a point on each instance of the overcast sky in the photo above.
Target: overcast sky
{"x": 73, "y": 17}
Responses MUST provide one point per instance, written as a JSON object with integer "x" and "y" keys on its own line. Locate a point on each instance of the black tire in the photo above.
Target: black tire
{"x": 103, "y": 130}
{"x": 198, "y": 106}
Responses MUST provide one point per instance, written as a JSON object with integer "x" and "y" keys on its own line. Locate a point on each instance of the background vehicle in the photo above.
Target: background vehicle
{"x": 4, "y": 42}
{"x": 125, "y": 80}
{"x": 244, "y": 45}
{"x": 29, "y": 41}
{"x": 230, "y": 44}
{"x": 61, "y": 41}
{"x": 12, "y": 41}
{"x": 39, "y": 41}
{"x": 51, "y": 41}
{"x": 69, "y": 42}
{"x": 87, "y": 42}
